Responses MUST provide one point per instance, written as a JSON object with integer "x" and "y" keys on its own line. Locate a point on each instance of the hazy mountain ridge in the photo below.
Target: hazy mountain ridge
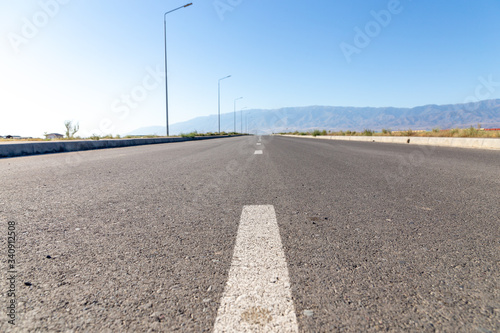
{"x": 486, "y": 113}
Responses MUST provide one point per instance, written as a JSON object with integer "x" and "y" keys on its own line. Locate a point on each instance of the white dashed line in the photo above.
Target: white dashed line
{"x": 258, "y": 152}
{"x": 258, "y": 143}
{"x": 257, "y": 297}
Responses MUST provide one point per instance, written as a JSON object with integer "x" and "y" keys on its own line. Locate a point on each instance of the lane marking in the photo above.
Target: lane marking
{"x": 257, "y": 297}
{"x": 258, "y": 152}
{"x": 258, "y": 143}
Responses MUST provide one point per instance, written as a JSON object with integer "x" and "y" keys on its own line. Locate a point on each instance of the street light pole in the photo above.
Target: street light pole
{"x": 219, "y": 97}
{"x": 235, "y": 112}
{"x": 165, "y": 38}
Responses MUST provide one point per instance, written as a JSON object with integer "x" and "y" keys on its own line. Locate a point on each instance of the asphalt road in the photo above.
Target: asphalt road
{"x": 376, "y": 237}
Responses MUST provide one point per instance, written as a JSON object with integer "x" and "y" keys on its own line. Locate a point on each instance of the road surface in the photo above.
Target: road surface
{"x": 253, "y": 234}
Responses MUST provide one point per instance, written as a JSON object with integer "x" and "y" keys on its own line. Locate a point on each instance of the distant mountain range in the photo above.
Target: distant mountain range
{"x": 486, "y": 113}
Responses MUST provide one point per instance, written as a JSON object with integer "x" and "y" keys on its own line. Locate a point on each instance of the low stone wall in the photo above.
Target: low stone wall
{"x": 478, "y": 143}
{"x": 49, "y": 147}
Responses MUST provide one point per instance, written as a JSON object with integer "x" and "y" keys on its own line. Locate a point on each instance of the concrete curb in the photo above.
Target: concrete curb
{"x": 477, "y": 143}
{"x": 50, "y": 147}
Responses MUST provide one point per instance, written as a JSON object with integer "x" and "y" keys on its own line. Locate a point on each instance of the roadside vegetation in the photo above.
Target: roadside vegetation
{"x": 195, "y": 133}
{"x": 116, "y": 137}
{"x": 470, "y": 132}
{"x": 21, "y": 139}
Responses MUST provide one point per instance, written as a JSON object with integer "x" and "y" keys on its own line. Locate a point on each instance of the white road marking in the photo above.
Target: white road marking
{"x": 258, "y": 152}
{"x": 257, "y": 297}
{"x": 258, "y": 143}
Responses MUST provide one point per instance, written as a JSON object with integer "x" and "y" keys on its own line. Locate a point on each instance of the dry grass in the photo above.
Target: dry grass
{"x": 17, "y": 140}
{"x": 93, "y": 137}
{"x": 470, "y": 132}
{"x": 451, "y": 133}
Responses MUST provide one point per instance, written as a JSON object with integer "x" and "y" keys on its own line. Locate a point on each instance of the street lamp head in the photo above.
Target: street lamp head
{"x": 173, "y": 10}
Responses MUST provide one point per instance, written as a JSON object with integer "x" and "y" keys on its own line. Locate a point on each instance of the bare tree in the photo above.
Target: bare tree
{"x": 68, "y": 125}
{"x": 70, "y": 129}
{"x": 75, "y": 129}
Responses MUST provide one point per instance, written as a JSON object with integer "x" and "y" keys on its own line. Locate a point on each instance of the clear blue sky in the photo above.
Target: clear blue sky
{"x": 80, "y": 59}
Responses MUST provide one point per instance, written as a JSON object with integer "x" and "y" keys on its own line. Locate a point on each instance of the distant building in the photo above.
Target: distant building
{"x": 52, "y": 136}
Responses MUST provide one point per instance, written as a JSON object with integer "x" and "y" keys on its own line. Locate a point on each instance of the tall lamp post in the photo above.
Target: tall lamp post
{"x": 235, "y": 112}
{"x": 227, "y": 77}
{"x": 165, "y": 38}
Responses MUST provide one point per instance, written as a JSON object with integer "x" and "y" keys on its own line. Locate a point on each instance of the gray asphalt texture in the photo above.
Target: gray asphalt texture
{"x": 378, "y": 237}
